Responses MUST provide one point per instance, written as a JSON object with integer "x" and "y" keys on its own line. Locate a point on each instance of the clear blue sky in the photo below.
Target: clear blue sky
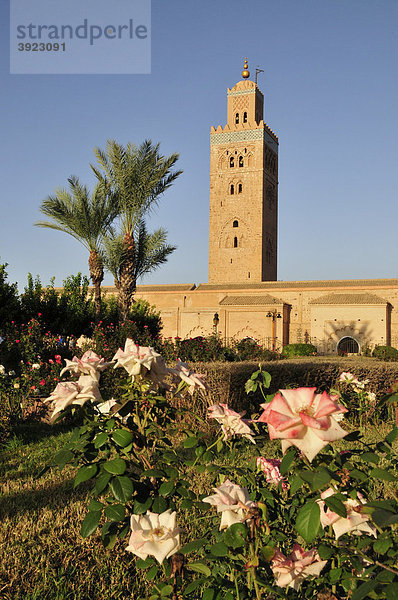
{"x": 331, "y": 94}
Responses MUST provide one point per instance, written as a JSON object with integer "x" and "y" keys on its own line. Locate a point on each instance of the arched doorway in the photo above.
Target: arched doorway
{"x": 347, "y": 345}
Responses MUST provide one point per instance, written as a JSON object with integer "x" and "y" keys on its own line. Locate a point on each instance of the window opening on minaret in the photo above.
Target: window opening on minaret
{"x": 235, "y": 242}
{"x": 232, "y": 190}
{"x": 237, "y": 118}
{"x": 248, "y": 275}
{"x": 235, "y": 224}
{"x": 245, "y": 117}
{"x": 239, "y": 188}
{"x": 231, "y": 162}
{"x": 240, "y": 161}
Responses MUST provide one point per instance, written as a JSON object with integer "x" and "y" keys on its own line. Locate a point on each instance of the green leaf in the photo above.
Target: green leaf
{"x": 321, "y": 478}
{"x": 153, "y": 571}
{"x": 100, "y": 439}
{"x": 219, "y": 549}
{"x": 382, "y": 474}
{"x": 117, "y": 466}
{"x": 334, "y": 574}
{"x": 115, "y": 512}
{"x": 195, "y": 584}
{"x": 122, "y": 488}
{"x": 159, "y": 505}
{"x": 325, "y": 552}
{"x": 360, "y": 475}
{"x": 190, "y": 442}
{"x": 364, "y": 590}
{"x": 166, "y": 590}
{"x": 90, "y": 523}
{"x": 122, "y": 437}
{"x": 166, "y": 488}
{"x": 371, "y": 457}
{"x": 144, "y": 564}
{"x": 266, "y": 378}
{"x": 235, "y": 535}
{"x": 295, "y": 483}
{"x": 208, "y": 594}
{"x": 101, "y": 483}
{"x": 109, "y": 534}
{"x": 308, "y": 521}
{"x": 382, "y": 517}
{"x": 336, "y": 506}
{"x": 171, "y": 472}
{"x": 268, "y": 553}
{"x": 199, "y": 567}
{"x": 154, "y": 473}
{"x": 85, "y": 473}
{"x": 287, "y": 461}
{"x": 62, "y": 457}
{"x": 192, "y": 546}
{"x": 95, "y": 505}
{"x": 392, "y": 436}
{"x": 250, "y": 386}
{"x": 391, "y": 591}
{"x": 382, "y": 545}
{"x": 141, "y": 507}
{"x": 110, "y": 424}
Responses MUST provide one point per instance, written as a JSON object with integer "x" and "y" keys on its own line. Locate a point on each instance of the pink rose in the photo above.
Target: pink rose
{"x": 354, "y": 521}
{"x": 303, "y": 419}
{"x": 89, "y": 364}
{"x": 71, "y": 392}
{"x": 231, "y": 422}
{"x": 271, "y": 467}
{"x": 194, "y": 380}
{"x": 347, "y": 377}
{"x": 290, "y": 572}
{"x": 141, "y": 360}
{"x": 232, "y": 501}
{"x": 155, "y": 535}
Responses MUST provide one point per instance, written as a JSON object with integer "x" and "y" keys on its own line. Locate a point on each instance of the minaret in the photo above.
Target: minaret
{"x": 243, "y": 191}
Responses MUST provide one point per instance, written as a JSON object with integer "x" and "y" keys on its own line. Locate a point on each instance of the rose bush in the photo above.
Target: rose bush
{"x": 273, "y": 534}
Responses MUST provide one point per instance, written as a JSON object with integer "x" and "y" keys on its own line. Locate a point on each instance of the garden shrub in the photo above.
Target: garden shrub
{"x": 9, "y": 301}
{"x": 143, "y": 327}
{"x": 152, "y": 466}
{"x": 387, "y": 353}
{"x": 291, "y": 350}
{"x": 249, "y": 349}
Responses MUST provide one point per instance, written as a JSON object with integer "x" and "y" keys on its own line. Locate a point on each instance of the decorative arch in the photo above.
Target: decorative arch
{"x": 229, "y": 232}
{"x": 348, "y": 345}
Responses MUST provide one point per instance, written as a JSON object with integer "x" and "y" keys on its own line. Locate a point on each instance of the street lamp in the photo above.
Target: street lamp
{"x": 273, "y": 314}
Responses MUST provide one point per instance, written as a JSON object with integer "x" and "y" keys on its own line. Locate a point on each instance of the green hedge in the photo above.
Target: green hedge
{"x": 385, "y": 353}
{"x": 227, "y": 380}
{"x": 291, "y": 350}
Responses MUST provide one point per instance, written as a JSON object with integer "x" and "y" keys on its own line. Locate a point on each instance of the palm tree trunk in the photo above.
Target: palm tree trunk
{"x": 97, "y": 276}
{"x": 127, "y": 276}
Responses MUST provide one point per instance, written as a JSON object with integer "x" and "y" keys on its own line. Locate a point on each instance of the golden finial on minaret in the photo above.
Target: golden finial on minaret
{"x": 245, "y": 72}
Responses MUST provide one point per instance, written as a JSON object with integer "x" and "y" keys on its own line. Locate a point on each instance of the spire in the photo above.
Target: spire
{"x": 245, "y": 72}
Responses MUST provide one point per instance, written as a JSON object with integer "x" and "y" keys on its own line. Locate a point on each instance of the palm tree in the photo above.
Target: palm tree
{"x": 151, "y": 251}
{"x": 136, "y": 177}
{"x": 86, "y": 218}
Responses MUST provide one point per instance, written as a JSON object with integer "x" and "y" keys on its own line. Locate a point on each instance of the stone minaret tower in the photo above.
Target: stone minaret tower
{"x": 243, "y": 191}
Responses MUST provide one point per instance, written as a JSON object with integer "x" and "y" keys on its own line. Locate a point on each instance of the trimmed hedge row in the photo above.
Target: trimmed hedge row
{"x": 227, "y": 380}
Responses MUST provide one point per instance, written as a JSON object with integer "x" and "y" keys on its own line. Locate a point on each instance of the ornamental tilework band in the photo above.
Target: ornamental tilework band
{"x": 241, "y": 92}
{"x": 248, "y": 135}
